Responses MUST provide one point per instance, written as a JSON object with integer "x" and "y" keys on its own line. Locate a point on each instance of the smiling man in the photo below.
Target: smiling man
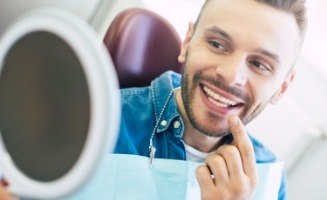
{"x": 238, "y": 57}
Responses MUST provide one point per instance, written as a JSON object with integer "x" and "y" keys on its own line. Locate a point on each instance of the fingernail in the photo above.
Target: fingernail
{"x": 234, "y": 120}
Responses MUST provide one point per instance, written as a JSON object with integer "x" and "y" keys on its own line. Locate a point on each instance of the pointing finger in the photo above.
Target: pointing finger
{"x": 244, "y": 144}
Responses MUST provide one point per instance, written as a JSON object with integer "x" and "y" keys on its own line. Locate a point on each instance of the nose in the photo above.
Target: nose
{"x": 233, "y": 69}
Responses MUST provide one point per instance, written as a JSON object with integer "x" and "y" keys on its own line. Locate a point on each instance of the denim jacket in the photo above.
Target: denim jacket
{"x": 145, "y": 108}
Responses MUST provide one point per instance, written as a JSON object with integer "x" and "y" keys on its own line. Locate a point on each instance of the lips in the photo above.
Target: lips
{"x": 220, "y": 101}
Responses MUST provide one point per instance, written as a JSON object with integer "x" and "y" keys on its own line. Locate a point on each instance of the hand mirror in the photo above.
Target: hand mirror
{"x": 59, "y": 104}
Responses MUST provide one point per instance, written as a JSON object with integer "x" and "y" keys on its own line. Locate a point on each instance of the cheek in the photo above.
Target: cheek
{"x": 199, "y": 60}
{"x": 261, "y": 91}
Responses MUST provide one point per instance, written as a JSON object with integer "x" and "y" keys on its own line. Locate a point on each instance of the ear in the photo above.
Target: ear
{"x": 285, "y": 85}
{"x": 183, "y": 53}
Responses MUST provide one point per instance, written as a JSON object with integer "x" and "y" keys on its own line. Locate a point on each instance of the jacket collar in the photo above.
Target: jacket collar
{"x": 161, "y": 88}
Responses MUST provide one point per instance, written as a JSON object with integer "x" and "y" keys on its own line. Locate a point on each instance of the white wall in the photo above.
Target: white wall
{"x": 308, "y": 179}
{"x": 178, "y": 12}
{"x": 107, "y": 12}
{"x": 10, "y": 10}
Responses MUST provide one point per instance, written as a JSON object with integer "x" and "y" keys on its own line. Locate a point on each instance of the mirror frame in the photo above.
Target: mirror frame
{"x": 104, "y": 99}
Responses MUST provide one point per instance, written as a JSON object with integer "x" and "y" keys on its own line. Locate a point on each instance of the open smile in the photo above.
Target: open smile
{"x": 220, "y": 101}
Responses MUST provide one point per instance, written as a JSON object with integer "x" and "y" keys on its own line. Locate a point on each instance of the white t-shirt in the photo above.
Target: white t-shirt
{"x": 193, "y": 154}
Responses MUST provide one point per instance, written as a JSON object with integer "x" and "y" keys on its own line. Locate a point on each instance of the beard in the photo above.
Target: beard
{"x": 214, "y": 125}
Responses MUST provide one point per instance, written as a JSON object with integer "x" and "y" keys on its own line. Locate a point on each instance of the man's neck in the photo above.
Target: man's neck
{"x": 192, "y": 136}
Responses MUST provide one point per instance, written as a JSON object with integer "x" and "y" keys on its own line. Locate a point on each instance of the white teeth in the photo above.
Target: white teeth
{"x": 223, "y": 102}
{"x": 218, "y": 103}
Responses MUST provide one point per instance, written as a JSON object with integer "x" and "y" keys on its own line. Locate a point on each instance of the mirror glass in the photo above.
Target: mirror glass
{"x": 44, "y": 106}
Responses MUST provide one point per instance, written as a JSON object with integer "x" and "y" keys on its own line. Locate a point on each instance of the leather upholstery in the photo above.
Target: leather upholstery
{"x": 142, "y": 45}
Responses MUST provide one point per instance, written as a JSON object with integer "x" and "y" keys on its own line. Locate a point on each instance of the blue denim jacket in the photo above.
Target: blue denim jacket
{"x": 141, "y": 109}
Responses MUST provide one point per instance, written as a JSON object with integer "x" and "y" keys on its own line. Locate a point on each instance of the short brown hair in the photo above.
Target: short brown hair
{"x": 295, "y": 7}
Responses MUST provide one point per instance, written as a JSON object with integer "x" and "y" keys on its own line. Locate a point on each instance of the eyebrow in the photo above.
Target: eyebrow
{"x": 219, "y": 31}
{"x": 271, "y": 55}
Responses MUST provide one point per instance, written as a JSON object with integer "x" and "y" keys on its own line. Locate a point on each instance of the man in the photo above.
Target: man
{"x": 238, "y": 57}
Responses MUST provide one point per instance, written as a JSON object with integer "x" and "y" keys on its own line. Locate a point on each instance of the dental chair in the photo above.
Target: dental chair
{"x": 142, "y": 45}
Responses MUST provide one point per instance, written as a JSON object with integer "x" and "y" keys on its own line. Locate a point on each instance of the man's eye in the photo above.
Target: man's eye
{"x": 216, "y": 45}
{"x": 256, "y": 63}
{"x": 259, "y": 65}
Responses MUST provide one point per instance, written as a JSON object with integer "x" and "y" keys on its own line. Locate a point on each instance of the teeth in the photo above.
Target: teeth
{"x": 223, "y": 102}
{"x": 218, "y": 103}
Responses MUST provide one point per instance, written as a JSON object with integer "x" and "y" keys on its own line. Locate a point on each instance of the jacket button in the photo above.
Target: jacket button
{"x": 163, "y": 123}
{"x": 177, "y": 124}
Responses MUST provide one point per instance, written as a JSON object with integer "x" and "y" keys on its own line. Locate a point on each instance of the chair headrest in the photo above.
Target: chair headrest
{"x": 142, "y": 45}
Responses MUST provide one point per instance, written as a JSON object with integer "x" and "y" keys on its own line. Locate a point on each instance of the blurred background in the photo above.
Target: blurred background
{"x": 295, "y": 129}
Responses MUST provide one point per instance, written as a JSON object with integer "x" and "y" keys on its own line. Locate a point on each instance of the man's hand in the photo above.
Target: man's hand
{"x": 230, "y": 172}
{"x": 4, "y": 195}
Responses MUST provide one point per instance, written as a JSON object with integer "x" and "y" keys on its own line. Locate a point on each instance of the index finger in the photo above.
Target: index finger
{"x": 244, "y": 145}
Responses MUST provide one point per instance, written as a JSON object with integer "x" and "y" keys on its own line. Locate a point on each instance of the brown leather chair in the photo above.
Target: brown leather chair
{"x": 142, "y": 45}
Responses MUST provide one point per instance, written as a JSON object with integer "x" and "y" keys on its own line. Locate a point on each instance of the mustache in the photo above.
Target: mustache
{"x": 219, "y": 82}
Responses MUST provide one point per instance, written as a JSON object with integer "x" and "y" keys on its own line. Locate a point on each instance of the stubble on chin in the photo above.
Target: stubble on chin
{"x": 206, "y": 126}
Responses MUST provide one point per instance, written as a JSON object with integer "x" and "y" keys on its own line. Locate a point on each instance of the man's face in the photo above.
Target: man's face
{"x": 237, "y": 60}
